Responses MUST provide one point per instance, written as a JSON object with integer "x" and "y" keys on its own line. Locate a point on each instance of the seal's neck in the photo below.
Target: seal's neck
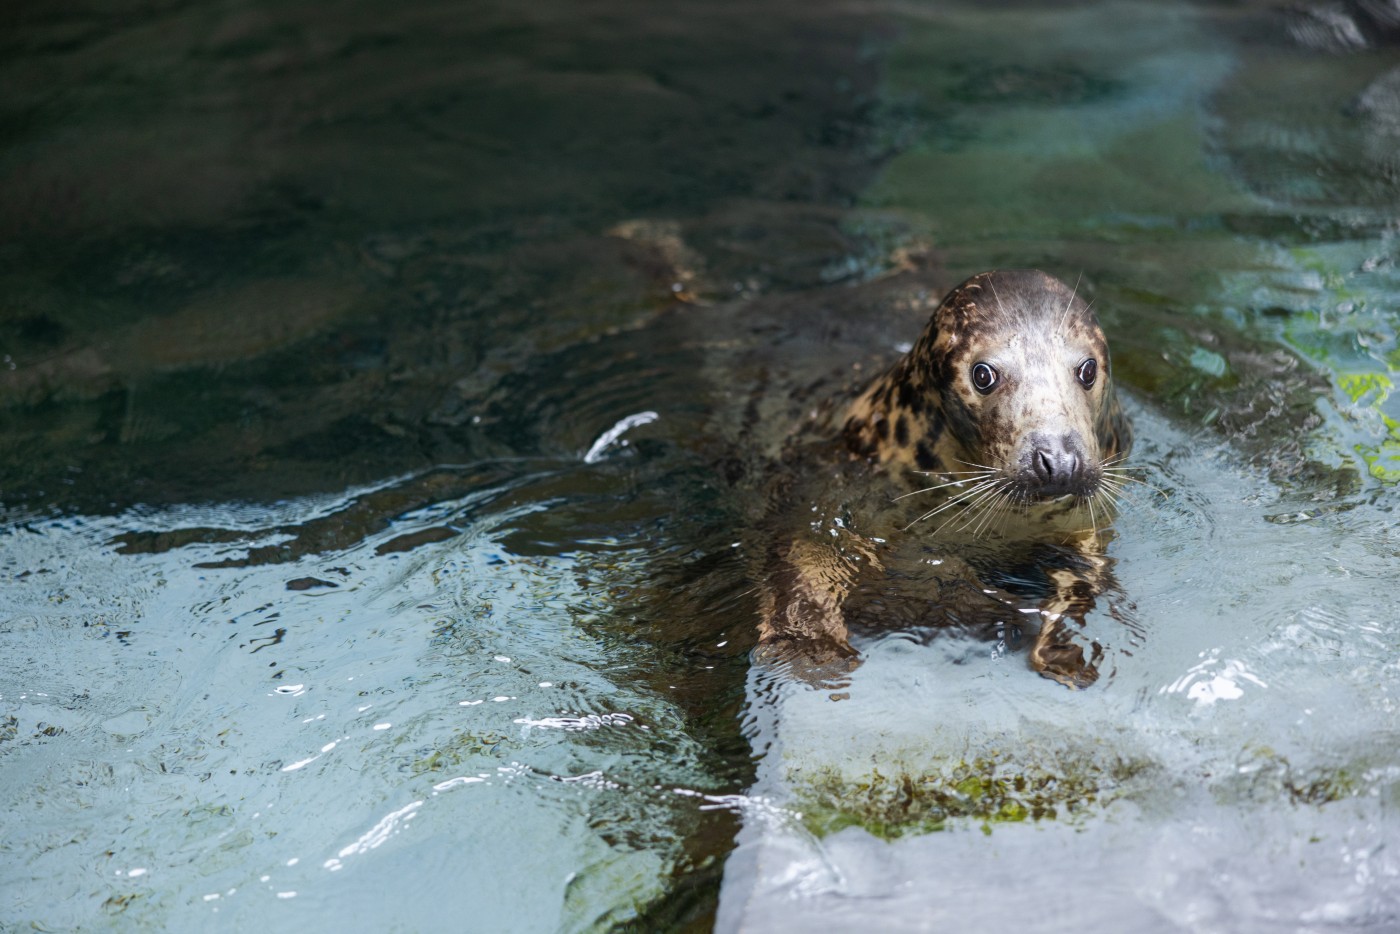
{"x": 898, "y": 421}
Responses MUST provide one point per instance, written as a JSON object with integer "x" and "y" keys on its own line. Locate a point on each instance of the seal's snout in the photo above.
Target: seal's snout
{"x": 1056, "y": 466}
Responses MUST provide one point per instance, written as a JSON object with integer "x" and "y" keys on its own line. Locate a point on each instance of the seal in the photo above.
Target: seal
{"x": 1001, "y": 421}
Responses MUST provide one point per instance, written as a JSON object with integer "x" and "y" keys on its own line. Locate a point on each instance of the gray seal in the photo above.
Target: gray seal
{"x": 1002, "y": 415}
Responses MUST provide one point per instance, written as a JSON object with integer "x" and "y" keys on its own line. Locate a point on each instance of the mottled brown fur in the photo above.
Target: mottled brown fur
{"x": 944, "y": 424}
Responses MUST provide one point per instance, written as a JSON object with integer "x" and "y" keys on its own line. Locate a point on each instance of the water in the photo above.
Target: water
{"x": 298, "y": 740}
{"x": 377, "y": 387}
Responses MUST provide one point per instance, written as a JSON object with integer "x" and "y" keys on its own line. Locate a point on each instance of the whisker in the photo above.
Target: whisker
{"x": 967, "y": 495}
{"x": 1002, "y": 512}
{"x": 984, "y": 510}
{"x": 997, "y": 509}
{"x": 950, "y": 473}
{"x": 1110, "y": 494}
{"x": 1069, "y": 304}
{"x": 930, "y": 489}
{"x": 982, "y": 466}
{"x": 971, "y": 507}
{"x": 1116, "y": 475}
{"x": 1111, "y": 489}
{"x": 1121, "y": 495}
{"x": 961, "y": 497}
{"x": 993, "y": 284}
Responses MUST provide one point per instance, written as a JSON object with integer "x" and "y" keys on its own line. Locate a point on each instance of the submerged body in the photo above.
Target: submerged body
{"x": 1000, "y": 422}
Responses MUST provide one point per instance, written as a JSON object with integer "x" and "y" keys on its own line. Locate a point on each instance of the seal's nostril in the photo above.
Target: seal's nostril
{"x": 1055, "y": 466}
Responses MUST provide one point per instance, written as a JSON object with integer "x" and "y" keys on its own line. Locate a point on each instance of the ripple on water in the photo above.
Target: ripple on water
{"x": 419, "y": 722}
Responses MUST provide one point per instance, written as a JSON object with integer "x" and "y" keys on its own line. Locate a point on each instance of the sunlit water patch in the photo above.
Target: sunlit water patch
{"x": 1334, "y": 303}
{"x": 407, "y": 730}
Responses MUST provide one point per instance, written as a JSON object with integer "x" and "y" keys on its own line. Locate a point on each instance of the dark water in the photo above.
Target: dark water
{"x": 246, "y": 242}
{"x": 369, "y": 433}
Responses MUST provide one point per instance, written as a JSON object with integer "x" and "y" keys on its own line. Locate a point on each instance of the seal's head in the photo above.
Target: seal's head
{"x": 1010, "y": 377}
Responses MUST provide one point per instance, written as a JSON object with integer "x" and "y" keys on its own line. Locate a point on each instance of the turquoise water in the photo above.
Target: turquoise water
{"x": 372, "y": 485}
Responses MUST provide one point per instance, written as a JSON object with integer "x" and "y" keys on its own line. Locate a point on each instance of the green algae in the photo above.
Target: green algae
{"x": 1336, "y": 311}
{"x": 1370, "y": 391}
{"x": 1263, "y": 775}
{"x": 982, "y": 792}
{"x": 985, "y": 792}
{"x": 466, "y": 747}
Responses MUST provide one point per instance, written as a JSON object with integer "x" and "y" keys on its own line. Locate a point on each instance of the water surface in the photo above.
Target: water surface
{"x": 377, "y": 387}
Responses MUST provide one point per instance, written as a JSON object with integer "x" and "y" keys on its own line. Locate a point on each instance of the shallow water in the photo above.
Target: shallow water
{"x": 355, "y": 732}
{"x": 383, "y": 392}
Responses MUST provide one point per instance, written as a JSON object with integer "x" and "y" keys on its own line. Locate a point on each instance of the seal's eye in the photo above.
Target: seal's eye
{"x": 1088, "y": 372}
{"x": 984, "y": 377}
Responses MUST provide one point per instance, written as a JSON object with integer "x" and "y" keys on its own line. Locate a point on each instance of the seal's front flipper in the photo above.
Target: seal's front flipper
{"x": 823, "y": 665}
{"x": 1055, "y": 653}
{"x": 1056, "y": 657}
{"x": 802, "y": 626}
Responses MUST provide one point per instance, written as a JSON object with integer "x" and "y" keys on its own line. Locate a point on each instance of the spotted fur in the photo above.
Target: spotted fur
{"x": 925, "y": 413}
